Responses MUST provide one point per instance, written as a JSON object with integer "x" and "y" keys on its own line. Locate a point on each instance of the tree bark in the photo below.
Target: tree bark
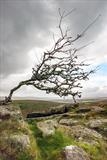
{"x": 74, "y": 99}
{"x": 9, "y": 98}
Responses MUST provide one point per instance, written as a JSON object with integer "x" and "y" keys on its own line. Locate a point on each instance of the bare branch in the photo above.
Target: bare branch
{"x": 85, "y": 30}
{"x": 69, "y": 12}
{"x": 84, "y": 46}
{"x": 59, "y": 71}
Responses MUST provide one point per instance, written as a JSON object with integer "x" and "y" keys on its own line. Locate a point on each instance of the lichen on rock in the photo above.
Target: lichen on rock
{"x": 75, "y": 153}
{"x": 16, "y": 139}
{"x": 47, "y": 127}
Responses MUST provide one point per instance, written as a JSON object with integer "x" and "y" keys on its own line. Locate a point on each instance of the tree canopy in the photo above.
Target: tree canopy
{"x": 60, "y": 72}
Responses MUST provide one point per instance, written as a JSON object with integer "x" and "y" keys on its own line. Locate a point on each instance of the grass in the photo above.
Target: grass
{"x": 96, "y": 151}
{"x": 50, "y": 147}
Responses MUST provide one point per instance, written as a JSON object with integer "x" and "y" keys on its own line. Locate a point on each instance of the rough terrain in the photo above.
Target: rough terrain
{"x": 78, "y": 134}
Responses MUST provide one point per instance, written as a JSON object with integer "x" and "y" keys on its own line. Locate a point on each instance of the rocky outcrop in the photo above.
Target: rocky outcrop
{"x": 21, "y": 141}
{"x": 47, "y": 127}
{"x": 52, "y": 111}
{"x": 81, "y": 133}
{"x": 85, "y": 134}
{"x": 83, "y": 110}
{"x": 9, "y": 111}
{"x": 68, "y": 122}
{"x": 97, "y": 109}
{"x": 97, "y": 123}
{"x": 16, "y": 140}
{"x": 75, "y": 153}
{"x": 67, "y": 132}
{"x": 100, "y": 125}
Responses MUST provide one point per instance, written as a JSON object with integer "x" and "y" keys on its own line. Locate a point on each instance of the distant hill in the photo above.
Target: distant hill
{"x": 60, "y": 100}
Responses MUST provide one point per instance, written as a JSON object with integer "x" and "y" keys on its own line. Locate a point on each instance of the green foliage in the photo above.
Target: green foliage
{"x": 96, "y": 151}
{"x": 25, "y": 156}
{"x": 50, "y": 147}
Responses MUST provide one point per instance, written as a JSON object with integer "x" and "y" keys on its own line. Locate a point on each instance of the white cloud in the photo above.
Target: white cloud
{"x": 33, "y": 29}
{"x": 95, "y": 87}
{"x": 97, "y": 52}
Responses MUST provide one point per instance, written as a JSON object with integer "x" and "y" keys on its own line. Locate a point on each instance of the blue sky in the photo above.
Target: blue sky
{"x": 102, "y": 69}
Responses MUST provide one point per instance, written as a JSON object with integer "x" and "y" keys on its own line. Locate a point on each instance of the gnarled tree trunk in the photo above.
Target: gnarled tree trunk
{"x": 9, "y": 98}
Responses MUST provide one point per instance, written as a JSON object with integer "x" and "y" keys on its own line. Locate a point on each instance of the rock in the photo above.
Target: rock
{"x": 4, "y": 113}
{"x": 68, "y": 122}
{"x": 75, "y": 153}
{"x": 47, "y": 127}
{"x": 16, "y": 138}
{"x": 97, "y": 109}
{"x": 81, "y": 133}
{"x": 85, "y": 134}
{"x": 52, "y": 111}
{"x": 93, "y": 109}
{"x": 100, "y": 125}
{"x": 97, "y": 123}
{"x": 9, "y": 111}
{"x": 19, "y": 141}
{"x": 73, "y": 115}
{"x": 83, "y": 110}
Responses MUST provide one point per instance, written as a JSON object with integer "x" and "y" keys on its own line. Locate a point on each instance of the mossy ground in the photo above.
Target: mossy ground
{"x": 48, "y": 148}
{"x": 14, "y": 125}
{"x": 51, "y": 147}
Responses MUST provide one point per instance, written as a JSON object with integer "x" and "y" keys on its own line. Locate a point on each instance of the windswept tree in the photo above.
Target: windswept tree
{"x": 59, "y": 71}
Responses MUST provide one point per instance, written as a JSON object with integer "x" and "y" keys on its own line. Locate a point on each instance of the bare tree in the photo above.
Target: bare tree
{"x": 59, "y": 71}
